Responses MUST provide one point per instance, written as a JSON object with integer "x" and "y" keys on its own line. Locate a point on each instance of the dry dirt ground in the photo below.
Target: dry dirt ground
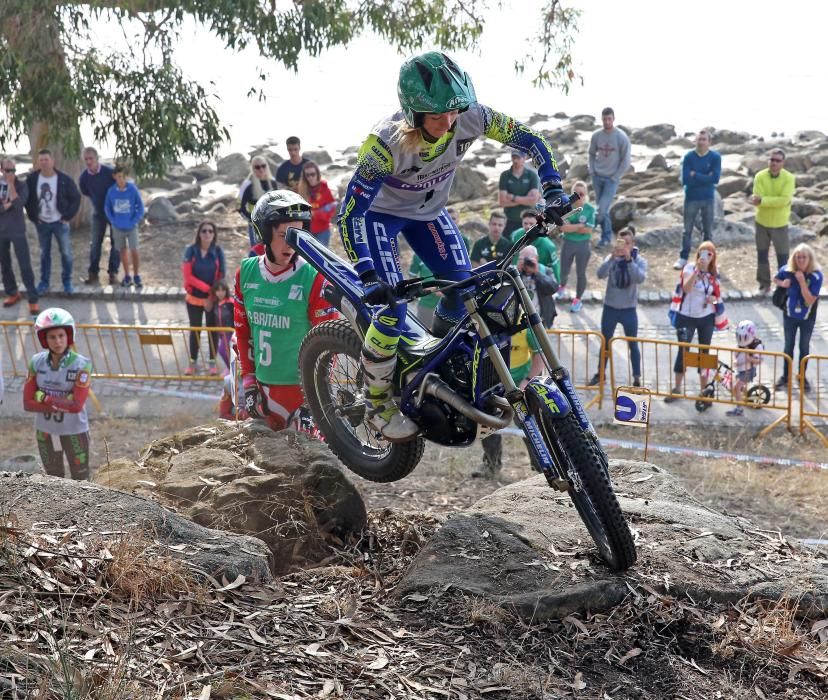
{"x": 127, "y": 622}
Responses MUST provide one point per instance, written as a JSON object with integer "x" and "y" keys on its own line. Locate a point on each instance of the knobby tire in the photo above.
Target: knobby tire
{"x": 604, "y": 520}
{"x": 319, "y": 348}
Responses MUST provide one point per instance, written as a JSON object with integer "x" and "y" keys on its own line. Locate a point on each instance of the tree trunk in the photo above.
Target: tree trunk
{"x": 35, "y": 40}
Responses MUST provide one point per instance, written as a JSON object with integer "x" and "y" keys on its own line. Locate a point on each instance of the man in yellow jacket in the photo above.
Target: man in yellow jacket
{"x": 773, "y": 190}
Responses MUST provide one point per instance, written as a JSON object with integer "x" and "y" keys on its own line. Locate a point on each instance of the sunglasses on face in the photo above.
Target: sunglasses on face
{"x": 311, "y": 174}
{"x": 207, "y": 230}
{"x": 776, "y": 160}
{"x": 259, "y": 167}
{"x": 8, "y": 170}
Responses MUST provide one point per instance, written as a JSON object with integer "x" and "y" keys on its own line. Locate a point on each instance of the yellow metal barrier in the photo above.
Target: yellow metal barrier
{"x": 121, "y": 351}
{"x": 819, "y": 407}
{"x": 716, "y": 367}
{"x": 576, "y": 350}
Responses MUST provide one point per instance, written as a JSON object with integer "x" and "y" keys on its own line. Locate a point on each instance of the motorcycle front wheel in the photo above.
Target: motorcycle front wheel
{"x": 591, "y": 490}
{"x": 332, "y": 381}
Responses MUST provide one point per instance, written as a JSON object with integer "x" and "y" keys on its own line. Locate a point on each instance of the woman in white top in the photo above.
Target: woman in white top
{"x": 695, "y": 300}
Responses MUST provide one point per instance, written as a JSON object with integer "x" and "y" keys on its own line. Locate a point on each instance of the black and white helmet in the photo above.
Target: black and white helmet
{"x": 276, "y": 207}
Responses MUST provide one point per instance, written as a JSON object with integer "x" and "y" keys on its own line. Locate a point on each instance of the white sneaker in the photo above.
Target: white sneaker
{"x": 679, "y": 264}
{"x": 383, "y": 414}
{"x": 560, "y": 295}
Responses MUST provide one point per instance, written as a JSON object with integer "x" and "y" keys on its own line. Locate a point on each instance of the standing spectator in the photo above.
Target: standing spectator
{"x": 289, "y": 172}
{"x": 546, "y": 248}
{"x": 257, "y": 183}
{"x": 773, "y": 190}
{"x": 124, "y": 208}
{"x": 493, "y": 246}
{"x": 222, "y": 307}
{"x": 203, "y": 265}
{"x": 13, "y": 194}
{"x": 700, "y": 172}
{"x": 53, "y": 202}
{"x": 623, "y": 269}
{"x": 56, "y": 389}
{"x": 802, "y": 277}
{"x": 540, "y": 284}
{"x": 94, "y": 183}
{"x": 316, "y": 191}
{"x": 577, "y": 236}
{"x": 695, "y": 301}
{"x": 519, "y": 188}
{"x": 609, "y": 159}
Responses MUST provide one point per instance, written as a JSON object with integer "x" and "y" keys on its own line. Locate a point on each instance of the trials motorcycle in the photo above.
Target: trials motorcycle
{"x": 456, "y": 385}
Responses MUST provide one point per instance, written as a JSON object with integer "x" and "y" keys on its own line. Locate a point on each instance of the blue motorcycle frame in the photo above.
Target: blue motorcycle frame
{"x": 493, "y": 292}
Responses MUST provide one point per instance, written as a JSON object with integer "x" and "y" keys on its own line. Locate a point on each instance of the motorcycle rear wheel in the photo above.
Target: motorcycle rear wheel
{"x": 591, "y": 490}
{"x": 329, "y": 364}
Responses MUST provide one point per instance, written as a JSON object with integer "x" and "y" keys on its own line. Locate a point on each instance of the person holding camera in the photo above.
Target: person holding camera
{"x": 525, "y": 359}
{"x": 695, "y": 300}
{"x": 623, "y": 269}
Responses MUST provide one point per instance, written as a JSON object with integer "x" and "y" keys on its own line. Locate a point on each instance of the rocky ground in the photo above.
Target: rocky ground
{"x": 414, "y": 604}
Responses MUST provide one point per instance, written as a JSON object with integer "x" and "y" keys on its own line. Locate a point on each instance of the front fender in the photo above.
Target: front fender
{"x": 543, "y": 393}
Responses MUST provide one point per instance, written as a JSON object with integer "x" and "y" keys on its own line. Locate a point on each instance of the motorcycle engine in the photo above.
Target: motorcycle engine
{"x": 443, "y": 425}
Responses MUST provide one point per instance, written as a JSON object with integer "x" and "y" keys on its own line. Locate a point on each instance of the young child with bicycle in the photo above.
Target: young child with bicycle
{"x": 56, "y": 389}
{"x": 745, "y": 362}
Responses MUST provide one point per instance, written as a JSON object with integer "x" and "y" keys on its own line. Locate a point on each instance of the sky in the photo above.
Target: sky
{"x": 751, "y": 66}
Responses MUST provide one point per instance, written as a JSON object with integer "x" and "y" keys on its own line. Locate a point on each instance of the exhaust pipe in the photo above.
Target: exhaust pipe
{"x": 436, "y": 387}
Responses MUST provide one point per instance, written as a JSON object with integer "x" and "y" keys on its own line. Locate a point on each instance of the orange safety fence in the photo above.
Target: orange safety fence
{"x": 123, "y": 351}
{"x": 717, "y": 368}
{"x": 580, "y": 352}
{"x": 812, "y": 405}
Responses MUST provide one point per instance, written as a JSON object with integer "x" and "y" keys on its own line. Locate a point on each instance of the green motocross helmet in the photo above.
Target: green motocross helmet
{"x": 433, "y": 82}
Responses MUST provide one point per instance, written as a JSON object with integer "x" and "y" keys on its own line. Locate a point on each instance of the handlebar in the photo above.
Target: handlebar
{"x": 417, "y": 287}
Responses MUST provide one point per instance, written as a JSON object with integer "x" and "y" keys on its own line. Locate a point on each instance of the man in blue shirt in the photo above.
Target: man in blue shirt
{"x": 94, "y": 183}
{"x": 700, "y": 172}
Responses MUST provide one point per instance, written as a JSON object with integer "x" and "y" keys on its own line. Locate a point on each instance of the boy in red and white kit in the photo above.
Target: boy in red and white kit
{"x": 278, "y": 299}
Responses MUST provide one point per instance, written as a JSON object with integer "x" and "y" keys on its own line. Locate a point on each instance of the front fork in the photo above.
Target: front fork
{"x": 555, "y": 473}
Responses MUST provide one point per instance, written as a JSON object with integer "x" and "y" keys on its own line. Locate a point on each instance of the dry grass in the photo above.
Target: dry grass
{"x": 135, "y": 567}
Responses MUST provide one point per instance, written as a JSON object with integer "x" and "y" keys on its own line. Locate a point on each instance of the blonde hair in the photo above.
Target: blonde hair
{"x": 409, "y": 137}
{"x": 708, "y": 245}
{"x": 255, "y": 180}
{"x": 580, "y": 184}
{"x": 304, "y": 188}
{"x": 812, "y": 263}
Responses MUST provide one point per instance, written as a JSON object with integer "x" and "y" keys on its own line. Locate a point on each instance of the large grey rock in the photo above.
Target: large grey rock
{"x": 803, "y": 208}
{"x": 582, "y": 122}
{"x": 731, "y": 184}
{"x": 65, "y": 503}
{"x": 187, "y": 193}
{"x": 161, "y": 211}
{"x": 233, "y": 168}
{"x": 29, "y": 464}
{"x": 225, "y": 200}
{"x": 320, "y": 157}
{"x": 282, "y": 487}
{"x": 201, "y": 172}
{"x": 731, "y": 138}
{"x": 658, "y": 162}
{"x": 469, "y": 183}
{"x": 622, "y": 212}
{"x": 525, "y": 548}
{"x": 654, "y": 136}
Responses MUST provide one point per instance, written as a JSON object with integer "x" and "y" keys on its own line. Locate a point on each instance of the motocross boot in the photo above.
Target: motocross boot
{"x": 383, "y": 414}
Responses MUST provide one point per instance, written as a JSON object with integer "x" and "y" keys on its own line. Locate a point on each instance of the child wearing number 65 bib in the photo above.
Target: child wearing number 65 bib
{"x": 55, "y": 390}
